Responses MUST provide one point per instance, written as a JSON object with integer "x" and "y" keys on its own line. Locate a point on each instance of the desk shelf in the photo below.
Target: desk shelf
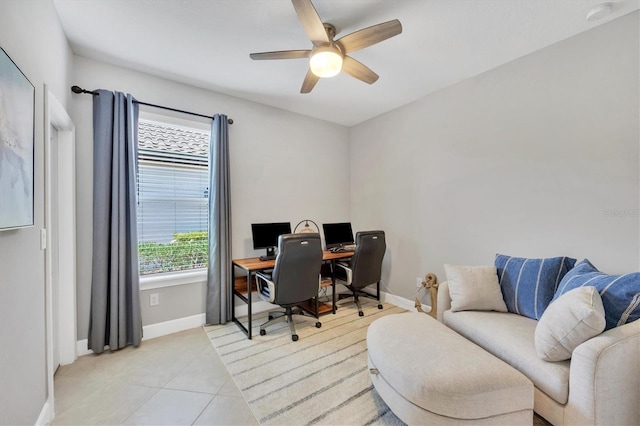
{"x": 240, "y": 285}
{"x": 310, "y": 306}
{"x": 323, "y": 308}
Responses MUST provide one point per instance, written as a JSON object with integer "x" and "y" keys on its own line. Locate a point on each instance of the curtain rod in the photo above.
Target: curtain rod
{"x": 77, "y": 89}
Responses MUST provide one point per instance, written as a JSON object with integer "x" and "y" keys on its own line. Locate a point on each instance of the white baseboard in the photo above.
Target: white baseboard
{"x": 152, "y": 331}
{"x": 46, "y": 415}
{"x": 82, "y": 347}
{"x": 401, "y": 302}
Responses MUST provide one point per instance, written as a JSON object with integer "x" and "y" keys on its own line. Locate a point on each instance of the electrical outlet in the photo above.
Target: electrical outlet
{"x": 418, "y": 282}
{"x": 154, "y": 299}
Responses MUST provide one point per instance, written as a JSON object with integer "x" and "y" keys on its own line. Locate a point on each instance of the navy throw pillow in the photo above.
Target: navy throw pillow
{"x": 620, "y": 293}
{"x": 528, "y": 285}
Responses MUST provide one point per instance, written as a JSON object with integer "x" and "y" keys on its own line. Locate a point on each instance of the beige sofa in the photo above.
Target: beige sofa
{"x": 600, "y": 385}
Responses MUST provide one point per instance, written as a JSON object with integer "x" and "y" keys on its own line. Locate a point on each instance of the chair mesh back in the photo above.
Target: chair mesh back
{"x": 366, "y": 262}
{"x": 297, "y": 268}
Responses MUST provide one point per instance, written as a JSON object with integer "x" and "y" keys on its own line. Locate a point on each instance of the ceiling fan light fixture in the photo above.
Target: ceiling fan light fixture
{"x": 326, "y": 61}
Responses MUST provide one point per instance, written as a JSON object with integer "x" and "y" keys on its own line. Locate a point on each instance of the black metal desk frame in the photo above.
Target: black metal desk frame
{"x": 254, "y": 264}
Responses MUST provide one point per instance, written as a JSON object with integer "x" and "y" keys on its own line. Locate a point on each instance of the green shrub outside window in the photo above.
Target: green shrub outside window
{"x": 186, "y": 251}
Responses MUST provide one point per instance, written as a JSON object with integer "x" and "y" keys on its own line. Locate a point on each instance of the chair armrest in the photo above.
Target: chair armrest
{"x": 348, "y": 271}
{"x": 444, "y": 300}
{"x": 264, "y": 275}
{"x": 264, "y": 280}
{"x": 604, "y": 381}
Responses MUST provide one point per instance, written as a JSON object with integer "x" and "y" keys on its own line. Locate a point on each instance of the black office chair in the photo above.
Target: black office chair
{"x": 295, "y": 278}
{"x": 364, "y": 268}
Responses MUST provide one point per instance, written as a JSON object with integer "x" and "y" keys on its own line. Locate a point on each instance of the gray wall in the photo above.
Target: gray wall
{"x": 175, "y": 302}
{"x": 284, "y": 167}
{"x": 31, "y": 35}
{"x": 527, "y": 159}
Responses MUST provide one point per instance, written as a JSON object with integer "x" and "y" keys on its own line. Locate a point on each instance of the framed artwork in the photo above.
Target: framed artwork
{"x": 17, "y": 102}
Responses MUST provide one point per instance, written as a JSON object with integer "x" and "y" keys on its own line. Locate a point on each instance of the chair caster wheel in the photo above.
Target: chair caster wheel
{"x": 263, "y": 332}
{"x": 294, "y": 337}
{"x": 379, "y": 306}
{"x": 361, "y": 314}
{"x": 318, "y": 324}
{"x": 270, "y": 317}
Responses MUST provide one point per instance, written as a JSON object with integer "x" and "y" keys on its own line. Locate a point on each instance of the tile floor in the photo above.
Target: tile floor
{"x": 172, "y": 380}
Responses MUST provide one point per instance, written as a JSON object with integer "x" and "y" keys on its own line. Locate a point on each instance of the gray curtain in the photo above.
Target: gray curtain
{"x": 219, "y": 286}
{"x": 115, "y": 317}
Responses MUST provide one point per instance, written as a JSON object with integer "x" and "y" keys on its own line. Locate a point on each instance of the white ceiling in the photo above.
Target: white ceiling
{"x": 207, "y": 44}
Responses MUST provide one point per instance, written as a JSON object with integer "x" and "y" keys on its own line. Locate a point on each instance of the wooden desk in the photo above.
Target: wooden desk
{"x": 252, "y": 265}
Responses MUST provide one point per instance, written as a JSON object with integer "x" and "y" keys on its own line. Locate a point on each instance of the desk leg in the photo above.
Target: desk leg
{"x": 333, "y": 286}
{"x": 233, "y": 293}
{"x": 249, "y": 288}
{"x": 247, "y": 300}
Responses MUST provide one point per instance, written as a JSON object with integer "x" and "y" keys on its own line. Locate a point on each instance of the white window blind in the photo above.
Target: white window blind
{"x": 172, "y": 197}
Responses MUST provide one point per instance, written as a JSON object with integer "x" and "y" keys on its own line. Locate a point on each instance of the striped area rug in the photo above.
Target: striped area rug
{"x": 322, "y": 379}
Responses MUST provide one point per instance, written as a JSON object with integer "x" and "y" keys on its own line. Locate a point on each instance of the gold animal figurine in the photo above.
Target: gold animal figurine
{"x": 431, "y": 283}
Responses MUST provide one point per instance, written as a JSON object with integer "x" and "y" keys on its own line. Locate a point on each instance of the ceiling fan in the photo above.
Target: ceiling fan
{"x": 328, "y": 57}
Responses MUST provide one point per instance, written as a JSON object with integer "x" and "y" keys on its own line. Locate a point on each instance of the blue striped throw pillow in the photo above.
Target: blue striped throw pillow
{"x": 528, "y": 285}
{"x": 620, "y": 293}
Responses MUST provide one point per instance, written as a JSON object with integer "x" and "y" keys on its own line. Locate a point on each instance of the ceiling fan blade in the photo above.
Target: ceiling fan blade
{"x": 309, "y": 82}
{"x": 369, "y": 36}
{"x": 282, "y": 54}
{"x": 358, "y": 70}
{"x": 311, "y": 22}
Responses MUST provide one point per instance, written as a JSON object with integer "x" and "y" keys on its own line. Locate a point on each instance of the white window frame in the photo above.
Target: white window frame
{"x": 171, "y": 279}
{"x": 178, "y": 278}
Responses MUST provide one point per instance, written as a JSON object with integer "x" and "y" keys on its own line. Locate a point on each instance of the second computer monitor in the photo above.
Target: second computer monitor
{"x": 337, "y": 234}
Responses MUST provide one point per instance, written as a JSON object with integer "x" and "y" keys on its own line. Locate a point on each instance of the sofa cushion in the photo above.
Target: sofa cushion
{"x": 441, "y": 371}
{"x": 620, "y": 293}
{"x": 510, "y": 337}
{"x": 569, "y": 321}
{"x": 474, "y": 288}
{"x": 528, "y": 285}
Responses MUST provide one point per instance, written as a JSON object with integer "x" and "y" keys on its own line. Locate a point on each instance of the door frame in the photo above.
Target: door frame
{"x": 55, "y": 115}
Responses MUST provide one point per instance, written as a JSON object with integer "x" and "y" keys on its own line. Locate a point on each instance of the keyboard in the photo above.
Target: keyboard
{"x": 349, "y": 247}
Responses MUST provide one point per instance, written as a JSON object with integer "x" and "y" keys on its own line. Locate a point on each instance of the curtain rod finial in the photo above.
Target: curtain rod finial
{"x": 79, "y": 90}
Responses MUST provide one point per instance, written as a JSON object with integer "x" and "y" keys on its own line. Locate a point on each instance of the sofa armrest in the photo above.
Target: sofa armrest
{"x": 604, "y": 380}
{"x": 444, "y": 300}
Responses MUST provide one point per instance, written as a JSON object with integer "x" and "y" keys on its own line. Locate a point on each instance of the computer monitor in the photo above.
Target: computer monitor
{"x": 337, "y": 234}
{"x": 265, "y": 236}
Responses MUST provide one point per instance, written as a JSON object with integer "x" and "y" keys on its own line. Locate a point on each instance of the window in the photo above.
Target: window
{"x": 172, "y": 197}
